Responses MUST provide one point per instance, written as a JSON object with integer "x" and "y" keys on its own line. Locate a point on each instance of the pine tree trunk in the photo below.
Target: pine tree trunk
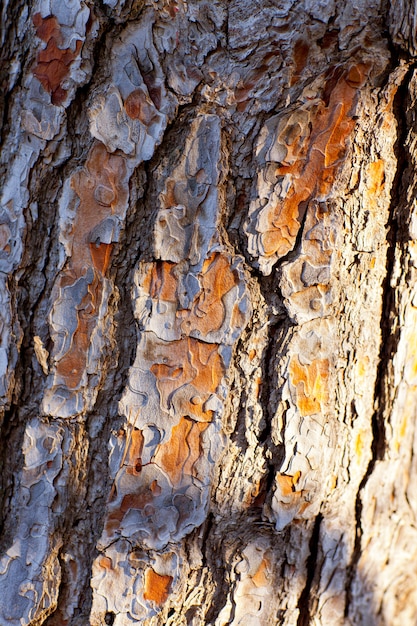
{"x": 208, "y": 312}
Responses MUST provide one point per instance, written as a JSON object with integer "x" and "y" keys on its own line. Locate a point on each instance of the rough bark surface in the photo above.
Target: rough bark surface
{"x": 208, "y": 313}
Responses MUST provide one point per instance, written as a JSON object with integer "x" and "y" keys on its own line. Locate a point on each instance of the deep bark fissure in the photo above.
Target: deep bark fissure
{"x": 238, "y": 435}
{"x": 209, "y": 549}
{"x": 30, "y": 298}
{"x": 295, "y": 250}
{"x": 304, "y": 599}
{"x": 11, "y": 437}
{"x": 109, "y": 618}
{"x": 269, "y": 397}
{"x": 269, "y": 400}
{"x": 390, "y": 331}
{"x": 28, "y": 377}
{"x": 76, "y": 113}
{"x": 73, "y": 528}
{"x": 144, "y": 213}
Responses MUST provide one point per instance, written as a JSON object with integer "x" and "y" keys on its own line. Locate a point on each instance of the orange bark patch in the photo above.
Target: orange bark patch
{"x": 157, "y": 587}
{"x": 260, "y": 578}
{"x": 71, "y": 365}
{"x": 362, "y": 366}
{"x": 318, "y": 158}
{"x": 178, "y": 455}
{"x": 313, "y": 297}
{"x": 183, "y": 362}
{"x": 375, "y": 180}
{"x": 287, "y": 484}
{"x": 311, "y": 385}
{"x": 53, "y": 63}
{"x": 208, "y": 311}
{"x": 359, "y": 445}
{"x": 139, "y": 106}
{"x": 105, "y": 562}
{"x": 288, "y": 496}
{"x": 257, "y": 386}
{"x": 169, "y": 198}
{"x": 100, "y": 255}
{"x": 301, "y": 50}
{"x": 102, "y": 191}
{"x": 161, "y": 281}
{"x": 144, "y": 495}
{"x": 5, "y": 237}
{"x": 403, "y": 427}
{"x": 47, "y": 27}
{"x": 134, "y": 460}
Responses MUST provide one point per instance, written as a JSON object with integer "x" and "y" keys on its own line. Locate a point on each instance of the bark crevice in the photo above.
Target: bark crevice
{"x": 389, "y": 327}
{"x": 304, "y": 601}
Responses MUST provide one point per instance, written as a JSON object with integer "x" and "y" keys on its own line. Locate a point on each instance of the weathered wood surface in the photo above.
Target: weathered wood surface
{"x": 208, "y": 305}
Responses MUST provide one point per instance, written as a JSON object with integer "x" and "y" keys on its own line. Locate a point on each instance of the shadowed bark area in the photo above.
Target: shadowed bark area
{"x": 208, "y": 313}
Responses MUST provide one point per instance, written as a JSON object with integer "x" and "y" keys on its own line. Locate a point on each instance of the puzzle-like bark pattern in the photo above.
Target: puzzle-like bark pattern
{"x": 191, "y": 313}
{"x": 207, "y": 313}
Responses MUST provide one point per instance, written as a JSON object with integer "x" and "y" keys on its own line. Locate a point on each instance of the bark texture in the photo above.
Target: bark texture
{"x": 208, "y": 312}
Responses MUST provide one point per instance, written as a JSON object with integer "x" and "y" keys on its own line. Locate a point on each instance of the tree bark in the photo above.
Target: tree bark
{"x": 208, "y": 351}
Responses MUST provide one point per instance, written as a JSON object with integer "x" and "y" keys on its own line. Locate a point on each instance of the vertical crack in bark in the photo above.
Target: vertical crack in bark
{"x": 304, "y": 600}
{"x": 277, "y": 338}
{"x": 209, "y": 555}
{"x": 390, "y": 330}
{"x": 29, "y": 293}
{"x": 269, "y": 399}
{"x": 10, "y": 466}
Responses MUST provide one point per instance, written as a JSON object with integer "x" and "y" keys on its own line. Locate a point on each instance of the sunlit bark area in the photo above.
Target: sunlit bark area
{"x": 208, "y": 313}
